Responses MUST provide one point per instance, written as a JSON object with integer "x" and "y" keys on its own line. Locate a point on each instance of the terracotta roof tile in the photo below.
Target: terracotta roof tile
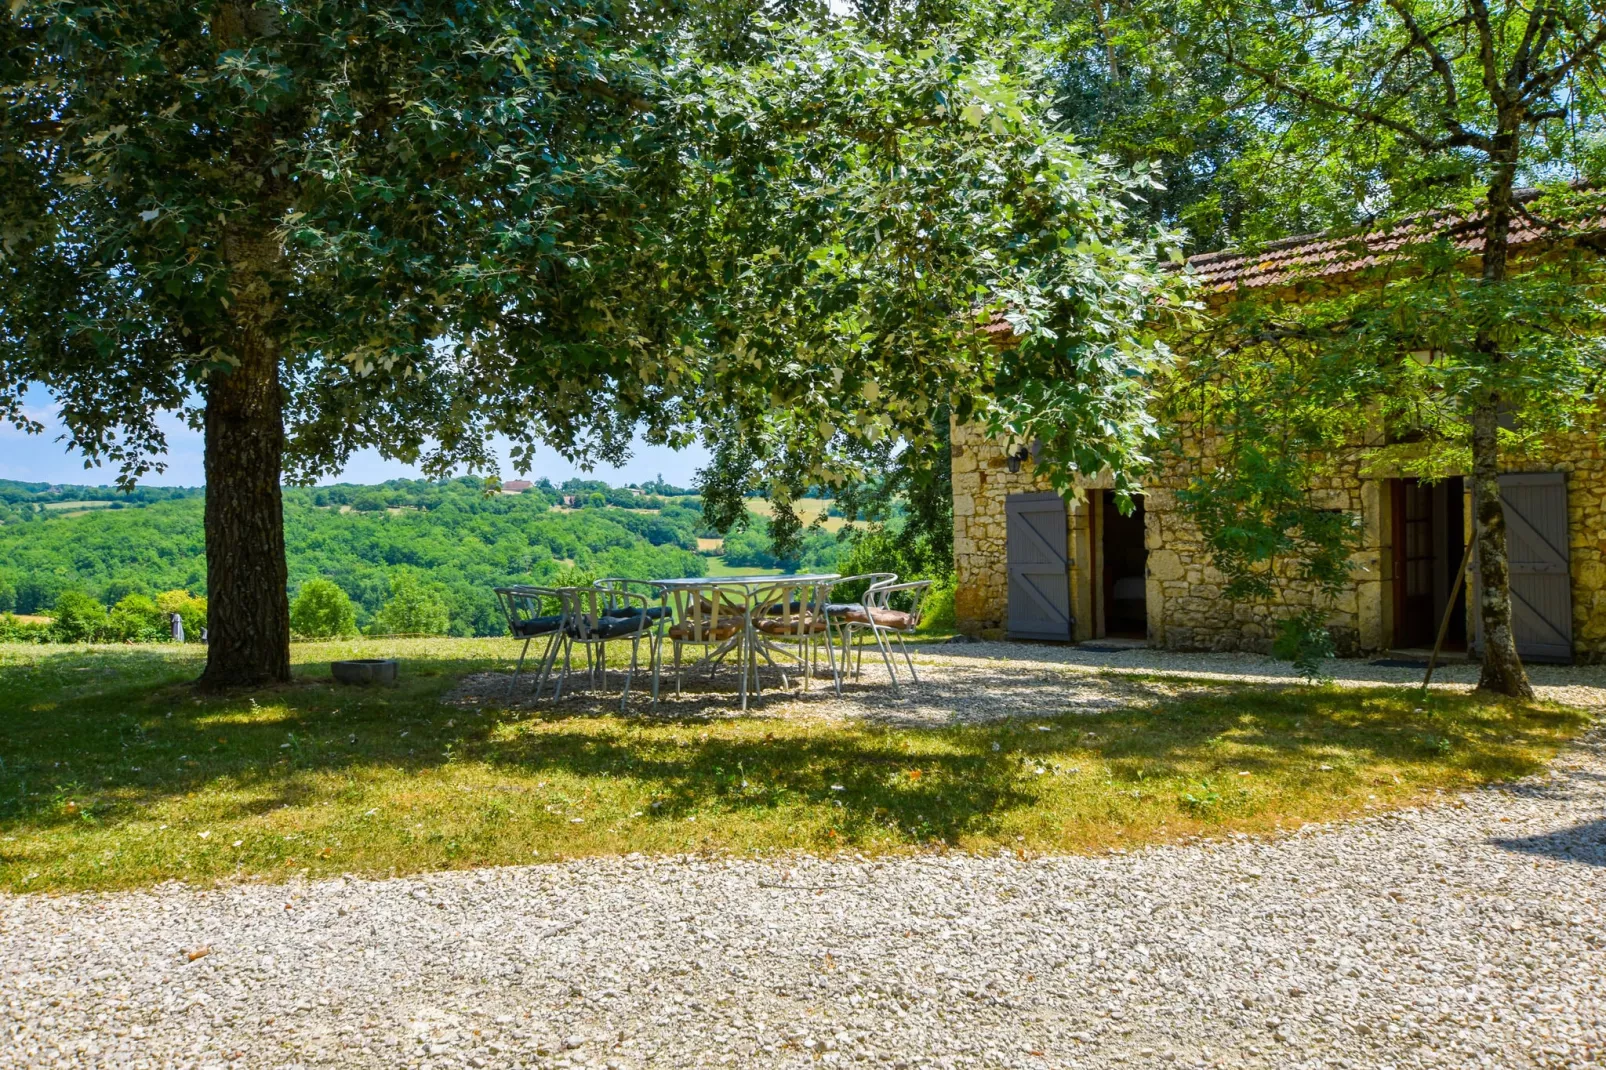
{"x": 1313, "y": 256}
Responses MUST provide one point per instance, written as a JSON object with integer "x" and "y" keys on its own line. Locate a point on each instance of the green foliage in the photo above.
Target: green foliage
{"x": 415, "y": 607}
{"x": 135, "y": 619}
{"x": 322, "y": 610}
{"x": 13, "y": 630}
{"x": 79, "y": 618}
{"x": 190, "y": 608}
{"x": 8, "y": 596}
{"x": 937, "y": 615}
{"x": 1305, "y": 640}
{"x": 463, "y": 539}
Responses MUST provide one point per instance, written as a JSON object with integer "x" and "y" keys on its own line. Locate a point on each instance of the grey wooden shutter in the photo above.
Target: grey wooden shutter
{"x": 1541, "y": 578}
{"x": 1039, "y": 567}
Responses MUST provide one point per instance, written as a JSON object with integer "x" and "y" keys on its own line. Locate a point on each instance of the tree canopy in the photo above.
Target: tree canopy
{"x": 314, "y": 226}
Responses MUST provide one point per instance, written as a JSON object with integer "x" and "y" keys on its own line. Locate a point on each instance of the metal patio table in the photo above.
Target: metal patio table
{"x": 755, "y": 641}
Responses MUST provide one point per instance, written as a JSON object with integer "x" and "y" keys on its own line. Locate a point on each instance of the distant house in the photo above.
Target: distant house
{"x": 516, "y": 486}
{"x": 1031, "y": 565}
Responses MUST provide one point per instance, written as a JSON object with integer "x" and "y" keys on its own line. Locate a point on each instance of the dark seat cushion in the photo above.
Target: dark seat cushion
{"x": 611, "y": 627}
{"x": 653, "y": 612}
{"x": 536, "y": 626}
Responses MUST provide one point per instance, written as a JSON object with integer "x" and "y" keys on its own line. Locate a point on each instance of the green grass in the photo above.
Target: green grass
{"x": 113, "y": 773}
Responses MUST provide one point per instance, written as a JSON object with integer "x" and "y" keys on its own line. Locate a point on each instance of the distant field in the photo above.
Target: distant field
{"x": 34, "y": 618}
{"x": 82, "y": 506}
{"x": 710, "y": 546}
{"x": 807, "y": 509}
{"x": 718, "y": 567}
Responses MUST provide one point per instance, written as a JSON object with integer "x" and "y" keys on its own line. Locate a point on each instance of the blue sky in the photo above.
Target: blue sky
{"x": 43, "y": 459}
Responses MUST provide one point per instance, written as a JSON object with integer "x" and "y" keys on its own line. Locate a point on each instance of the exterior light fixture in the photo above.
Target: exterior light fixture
{"x": 1014, "y": 457}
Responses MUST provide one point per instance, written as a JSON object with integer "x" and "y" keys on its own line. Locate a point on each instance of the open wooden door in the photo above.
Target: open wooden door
{"x": 1039, "y": 567}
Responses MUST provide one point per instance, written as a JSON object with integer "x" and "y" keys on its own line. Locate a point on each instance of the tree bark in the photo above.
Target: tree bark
{"x": 248, "y": 611}
{"x": 1502, "y": 670}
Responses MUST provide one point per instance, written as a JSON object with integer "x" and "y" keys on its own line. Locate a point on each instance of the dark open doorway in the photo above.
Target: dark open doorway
{"x": 1429, "y": 539}
{"x": 1126, "y": 561}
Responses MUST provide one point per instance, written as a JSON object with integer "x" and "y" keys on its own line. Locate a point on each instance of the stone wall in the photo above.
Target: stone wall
{"x": 1186, "y": 607}
{"x": 982, "y": 481}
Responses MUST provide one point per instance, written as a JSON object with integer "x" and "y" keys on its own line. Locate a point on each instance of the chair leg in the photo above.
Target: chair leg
{"x": 635, "y": 650}
{"x": 568, "y": 651}
{"x": 886, "y": 656}
{"x": 548, "y": 657}
{"x": 655, "y": 651}
{"x": 744, "y": 656}
{"x": 514, "y": 686}
{"x": 910, "y": 661}
{"x": 677, "y": 667}
{"x": 830, "y": 660}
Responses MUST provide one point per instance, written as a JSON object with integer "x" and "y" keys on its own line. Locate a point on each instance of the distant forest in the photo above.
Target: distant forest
{"x": 457, "y": 536}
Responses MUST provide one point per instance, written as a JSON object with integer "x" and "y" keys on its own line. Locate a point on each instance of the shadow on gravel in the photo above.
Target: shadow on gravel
{"x": 1585, "y": 844}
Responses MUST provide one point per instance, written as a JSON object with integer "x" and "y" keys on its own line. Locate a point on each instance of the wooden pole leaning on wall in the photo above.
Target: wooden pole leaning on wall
{"x": 1449, "y": 608}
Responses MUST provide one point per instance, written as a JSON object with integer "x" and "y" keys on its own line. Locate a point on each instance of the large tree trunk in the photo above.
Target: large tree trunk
{"x": 1502, "y": 668}
{"x": 248, "y": 611}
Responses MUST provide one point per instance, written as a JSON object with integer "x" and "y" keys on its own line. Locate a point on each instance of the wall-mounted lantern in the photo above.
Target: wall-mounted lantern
{"x": 1014, "y": 457}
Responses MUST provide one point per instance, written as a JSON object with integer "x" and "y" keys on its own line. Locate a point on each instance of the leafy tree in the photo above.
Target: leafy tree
{"x": 322, "y": 610}
{"x": 318, "y": 227}
{"x": 191, "y": 610}
{"x": 1438, "y": 110}
{"x": 414, "y": 608}
{"x": 78, "y": 618}
{"x": 135, "y": 619}
{"x": 8, "y": 595}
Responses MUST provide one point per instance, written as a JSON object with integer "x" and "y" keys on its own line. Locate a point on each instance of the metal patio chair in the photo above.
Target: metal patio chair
{"x": 793, "y": 613}
{"x": 712, "y": 616}
{"x": 527, "y": 618}
{"x": 884, "y": 621}
{"x": 593, "y": 617}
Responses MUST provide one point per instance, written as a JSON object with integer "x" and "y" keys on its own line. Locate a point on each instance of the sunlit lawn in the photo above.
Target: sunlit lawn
{"x": 112, "y": 773}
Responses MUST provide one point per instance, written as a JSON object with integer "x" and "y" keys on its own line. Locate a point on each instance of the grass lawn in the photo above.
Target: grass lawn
{"x": 113, "y": 774}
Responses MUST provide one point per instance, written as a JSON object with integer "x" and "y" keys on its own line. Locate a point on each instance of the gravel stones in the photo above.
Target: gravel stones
{"x": 987, "y": 681}
{"x": 1467, "y": 934}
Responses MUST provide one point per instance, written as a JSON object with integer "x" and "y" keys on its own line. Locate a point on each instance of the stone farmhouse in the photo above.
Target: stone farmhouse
{"x": 1032, "y": 565}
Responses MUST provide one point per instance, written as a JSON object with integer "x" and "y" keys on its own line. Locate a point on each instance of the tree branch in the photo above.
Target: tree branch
{"x": 1486, "y": 56}
{"x": 1541, "y": 84}
{"x": 1458, "y": 138}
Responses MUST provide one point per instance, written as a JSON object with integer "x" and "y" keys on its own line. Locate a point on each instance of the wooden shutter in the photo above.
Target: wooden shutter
{"x": 1541, "y": 577}
{"x": 1039, "y": 567}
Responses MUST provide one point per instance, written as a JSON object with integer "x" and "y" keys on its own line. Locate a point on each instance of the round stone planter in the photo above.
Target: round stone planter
{"x": 365, "y": 671}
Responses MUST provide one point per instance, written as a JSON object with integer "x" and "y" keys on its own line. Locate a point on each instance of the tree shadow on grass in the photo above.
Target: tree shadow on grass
{"x": 106, "y": 749}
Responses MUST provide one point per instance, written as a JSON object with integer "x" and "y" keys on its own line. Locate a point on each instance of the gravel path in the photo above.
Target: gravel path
{"x": 976, "y": 682}
{"x": 1467, "y": 935}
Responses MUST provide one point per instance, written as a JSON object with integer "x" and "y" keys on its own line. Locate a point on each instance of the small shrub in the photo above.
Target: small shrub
{"x": 938, "y": 613}
{"x": 1305, "y": 641}
{"x": 135, "y": 619}
{"x": 322, "y": 610}
{"x": 13, "y": 630}
{"x": 190, "y": 608}
{"x": 79, "y": 618}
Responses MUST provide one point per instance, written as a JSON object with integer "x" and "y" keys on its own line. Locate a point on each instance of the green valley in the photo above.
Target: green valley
{"x": 457, "y": 538}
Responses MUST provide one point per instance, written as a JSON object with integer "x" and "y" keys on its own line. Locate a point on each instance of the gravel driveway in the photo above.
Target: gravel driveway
{"x": 1471, "y": 934}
